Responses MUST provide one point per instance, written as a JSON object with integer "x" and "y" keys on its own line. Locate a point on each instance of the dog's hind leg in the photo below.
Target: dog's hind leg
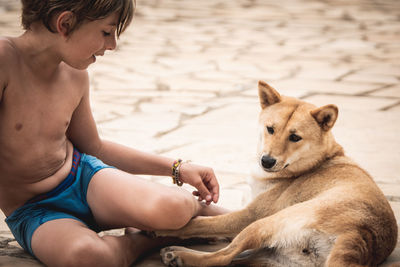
{"x": 353, "y": 250}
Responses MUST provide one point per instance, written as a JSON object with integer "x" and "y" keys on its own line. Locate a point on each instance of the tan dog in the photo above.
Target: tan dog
{"x": 317, "y": 208}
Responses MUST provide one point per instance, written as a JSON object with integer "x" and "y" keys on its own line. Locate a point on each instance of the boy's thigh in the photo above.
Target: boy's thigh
{"x": 54, "y": 242}
{"x": 118, "y": 199}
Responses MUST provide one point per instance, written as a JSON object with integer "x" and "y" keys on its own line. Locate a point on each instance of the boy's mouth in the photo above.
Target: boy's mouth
{"x": 96, "y": 55}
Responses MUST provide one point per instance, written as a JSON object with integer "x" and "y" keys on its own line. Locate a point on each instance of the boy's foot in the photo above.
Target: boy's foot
{"x": 143, "y": 244}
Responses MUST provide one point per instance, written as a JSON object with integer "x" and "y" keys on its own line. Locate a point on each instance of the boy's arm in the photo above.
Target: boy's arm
{"x": 5, "y": 52}
{"x": 3, "y": 80}
{"x": 3, "y": 84}
{"x": 84, "y": 135}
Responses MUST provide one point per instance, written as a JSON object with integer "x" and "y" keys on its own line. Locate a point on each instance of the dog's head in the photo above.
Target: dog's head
{"x": 294, "y": 135}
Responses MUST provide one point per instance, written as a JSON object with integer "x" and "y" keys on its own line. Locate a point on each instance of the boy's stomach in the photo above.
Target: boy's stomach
{"x": 22, "y": 179}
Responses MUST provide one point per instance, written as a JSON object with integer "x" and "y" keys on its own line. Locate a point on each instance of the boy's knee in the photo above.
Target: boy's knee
{"x": 182, "y": 209}
{"x": 174, "y": 211}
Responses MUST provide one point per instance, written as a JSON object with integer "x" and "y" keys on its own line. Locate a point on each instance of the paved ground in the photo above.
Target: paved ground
{"x": 183, "y": 83}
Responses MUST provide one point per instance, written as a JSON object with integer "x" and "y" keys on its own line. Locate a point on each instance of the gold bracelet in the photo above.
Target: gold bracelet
{"x": 175, "y": 172}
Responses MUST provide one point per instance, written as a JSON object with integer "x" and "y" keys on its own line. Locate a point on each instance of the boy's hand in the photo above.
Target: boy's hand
{"x": 203, "y": 179}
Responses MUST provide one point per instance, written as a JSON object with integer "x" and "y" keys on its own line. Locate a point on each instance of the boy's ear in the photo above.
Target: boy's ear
{"x": 268, "y": 95}
{"x": 325, "y": 116}
{"x": 65, "y": 22}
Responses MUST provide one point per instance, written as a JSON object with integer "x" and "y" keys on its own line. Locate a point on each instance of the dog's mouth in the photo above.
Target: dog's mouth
{"x": 287, "y": 165}
{"x": 274, "y": 168}
{"x": 270, "y": 170}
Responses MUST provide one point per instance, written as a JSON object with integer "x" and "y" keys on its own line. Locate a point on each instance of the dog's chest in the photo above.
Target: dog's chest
{"x": 260, "y": 186}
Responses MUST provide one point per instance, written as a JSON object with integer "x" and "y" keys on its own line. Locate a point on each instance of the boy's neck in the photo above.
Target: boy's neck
{"x": 40, "y": 50}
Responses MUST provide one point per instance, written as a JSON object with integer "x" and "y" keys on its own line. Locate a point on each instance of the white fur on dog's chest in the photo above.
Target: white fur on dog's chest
{"x": 260, "y": 181}
{"x": 259, "y": 186}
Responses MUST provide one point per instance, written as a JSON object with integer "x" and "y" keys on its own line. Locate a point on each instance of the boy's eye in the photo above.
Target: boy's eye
{"x": 106, "y": 33}
{"x": 294, "y": 138}
{"x": 270, "y": 130}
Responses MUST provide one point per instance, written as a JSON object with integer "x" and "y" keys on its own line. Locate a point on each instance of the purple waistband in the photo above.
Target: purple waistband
{"x": 67, "y": 182}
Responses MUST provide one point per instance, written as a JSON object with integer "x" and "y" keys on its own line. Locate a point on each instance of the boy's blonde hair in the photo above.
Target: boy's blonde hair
{"x": 44, "y": 10}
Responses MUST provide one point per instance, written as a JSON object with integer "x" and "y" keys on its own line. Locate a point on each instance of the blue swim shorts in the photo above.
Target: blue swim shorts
{"x": 67, "y": 200}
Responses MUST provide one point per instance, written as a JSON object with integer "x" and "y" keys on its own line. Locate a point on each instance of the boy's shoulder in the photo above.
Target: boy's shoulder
{"x": 7, "y": 50}
{"x": 8, "y": 53}
{"x": 8, "y": 56}
{"x": 6, "y": 42}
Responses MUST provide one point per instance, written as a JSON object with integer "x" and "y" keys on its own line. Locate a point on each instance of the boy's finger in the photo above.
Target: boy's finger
{"x": 214, "y": 188}
{"x": 204, "y": 193}
{"x": 215, "y": 198}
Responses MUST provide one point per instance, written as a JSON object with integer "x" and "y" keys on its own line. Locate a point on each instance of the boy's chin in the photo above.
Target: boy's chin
{"x": 81, "y": 66}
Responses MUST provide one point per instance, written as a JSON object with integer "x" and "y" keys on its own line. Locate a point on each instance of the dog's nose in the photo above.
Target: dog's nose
{"x": 267, "y": 161}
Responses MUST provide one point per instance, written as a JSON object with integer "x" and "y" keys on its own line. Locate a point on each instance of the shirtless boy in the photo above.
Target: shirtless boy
{"x": 55, "y": 196}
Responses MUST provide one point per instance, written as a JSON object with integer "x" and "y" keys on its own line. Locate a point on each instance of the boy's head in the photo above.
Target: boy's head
{"x": 44, "y": 10}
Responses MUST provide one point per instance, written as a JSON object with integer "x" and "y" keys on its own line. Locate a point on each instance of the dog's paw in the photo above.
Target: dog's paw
{"x": 170, "y": 257}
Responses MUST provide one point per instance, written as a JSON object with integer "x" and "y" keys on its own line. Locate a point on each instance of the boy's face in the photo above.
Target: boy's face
{"x": 91, "y": 39}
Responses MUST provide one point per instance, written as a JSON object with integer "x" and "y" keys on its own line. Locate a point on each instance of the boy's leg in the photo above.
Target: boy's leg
{"x": 119, "y": 199}
{"x": 67, "y": 242}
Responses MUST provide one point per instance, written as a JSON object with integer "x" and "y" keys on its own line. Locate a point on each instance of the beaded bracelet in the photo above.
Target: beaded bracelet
{"x": 175, "y": 172}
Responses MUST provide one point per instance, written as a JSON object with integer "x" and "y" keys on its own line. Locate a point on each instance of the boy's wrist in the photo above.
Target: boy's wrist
{"x": 175, "y": 174}
{"x": 176, "y": 171}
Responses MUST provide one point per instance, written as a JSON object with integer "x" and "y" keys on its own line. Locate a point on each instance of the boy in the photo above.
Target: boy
{"x": 54, "y": 187}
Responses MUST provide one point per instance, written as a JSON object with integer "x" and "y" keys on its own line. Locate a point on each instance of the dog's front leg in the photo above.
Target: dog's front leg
{"x": 226, "y": 225}
{"x": 251, "y": 237}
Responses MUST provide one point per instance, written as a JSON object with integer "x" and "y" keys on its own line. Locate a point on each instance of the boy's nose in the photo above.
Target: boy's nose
{"x": 111, "y": 43}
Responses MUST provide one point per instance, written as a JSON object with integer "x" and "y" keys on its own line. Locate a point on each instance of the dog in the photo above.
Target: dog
{"x": 314, "y": 205}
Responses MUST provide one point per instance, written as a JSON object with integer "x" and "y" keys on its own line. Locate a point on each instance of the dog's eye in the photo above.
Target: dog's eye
{"x": 294, "y": 138}
{"x": 270, "y": 130}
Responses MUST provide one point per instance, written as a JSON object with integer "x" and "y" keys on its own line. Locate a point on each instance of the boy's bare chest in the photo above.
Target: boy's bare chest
{"x": 32, "y": 110}
{"x": 34, "y": 120}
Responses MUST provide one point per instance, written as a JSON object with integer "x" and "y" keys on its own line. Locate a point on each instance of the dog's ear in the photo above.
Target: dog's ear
{"x": 325, "y": 116}
{"x": 268, "y": 95}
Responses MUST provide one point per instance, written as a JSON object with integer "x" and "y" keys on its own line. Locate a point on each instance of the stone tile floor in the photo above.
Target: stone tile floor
{"x": 183, "y": 81}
